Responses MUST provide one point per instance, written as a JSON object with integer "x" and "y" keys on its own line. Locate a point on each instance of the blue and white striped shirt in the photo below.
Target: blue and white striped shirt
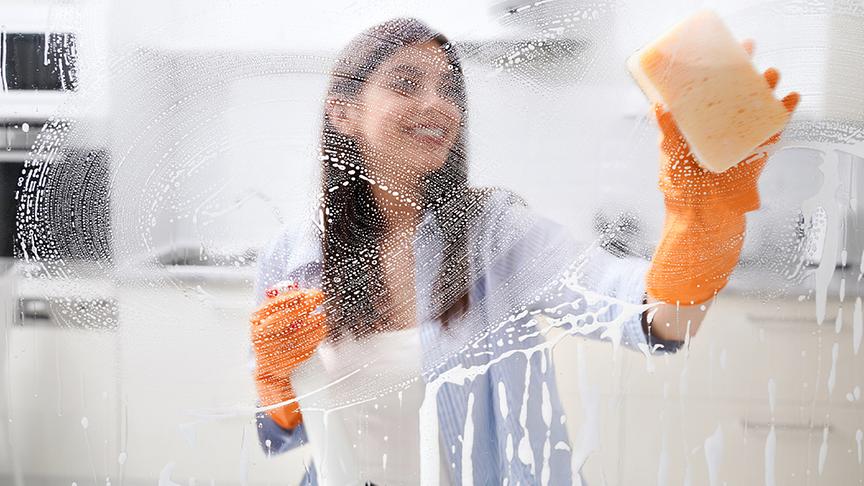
{"x": 521, "y": 264}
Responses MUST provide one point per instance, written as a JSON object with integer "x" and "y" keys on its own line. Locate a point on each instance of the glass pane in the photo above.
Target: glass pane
{"x": 495, "y": 242}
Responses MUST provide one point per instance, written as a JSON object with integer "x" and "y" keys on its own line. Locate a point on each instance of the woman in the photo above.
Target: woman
{"x": 422, "y": 275}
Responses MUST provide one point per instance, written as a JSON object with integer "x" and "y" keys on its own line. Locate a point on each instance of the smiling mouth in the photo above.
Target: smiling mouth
{"x": 432, "y": 135}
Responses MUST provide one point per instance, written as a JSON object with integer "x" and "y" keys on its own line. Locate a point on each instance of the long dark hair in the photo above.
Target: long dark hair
{"x": 358, "y": 301}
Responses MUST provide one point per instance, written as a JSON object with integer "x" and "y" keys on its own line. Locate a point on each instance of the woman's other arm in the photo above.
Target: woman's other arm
{"x": 281, "y": 261}
{"x": 274, "y": 438}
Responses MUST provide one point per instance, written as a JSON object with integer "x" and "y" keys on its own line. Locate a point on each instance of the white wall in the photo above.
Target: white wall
{"x": 176, "y": 90}
{"x": 570, "y": 150}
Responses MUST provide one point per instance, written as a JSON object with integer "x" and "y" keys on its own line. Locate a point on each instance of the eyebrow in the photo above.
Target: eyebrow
{"x": 408, "y": 70}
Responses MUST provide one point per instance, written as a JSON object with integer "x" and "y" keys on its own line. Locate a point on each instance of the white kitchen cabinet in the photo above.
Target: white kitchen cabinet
{"x": 63, "y": 392}
{"x": 723, "y": 380}
{"x": 181, "y": 353}
{"x": 672, "y": 439}
{"x": 178, "y": 372}
{"x": 128, "y": 405}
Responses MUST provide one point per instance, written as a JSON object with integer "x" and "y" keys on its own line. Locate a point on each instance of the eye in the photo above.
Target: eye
{"x": 449, "y": 88}
{"x": 404, "y": 85}
{"x": 449, "y": 92}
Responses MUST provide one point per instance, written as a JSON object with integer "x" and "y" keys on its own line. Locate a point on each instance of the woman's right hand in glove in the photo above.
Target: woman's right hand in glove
{"x": 284, "y": 334}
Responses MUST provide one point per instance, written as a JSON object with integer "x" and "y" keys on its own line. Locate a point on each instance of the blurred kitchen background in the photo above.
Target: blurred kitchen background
{"x": 150, "y": 149}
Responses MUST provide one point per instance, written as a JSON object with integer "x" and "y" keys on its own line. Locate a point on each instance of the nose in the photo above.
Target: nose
{"x": 431, "y": 105}
{"x": 428, "y": 98}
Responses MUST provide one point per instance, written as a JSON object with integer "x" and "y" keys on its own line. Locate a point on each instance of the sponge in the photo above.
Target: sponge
{"x": 722, "y": 105}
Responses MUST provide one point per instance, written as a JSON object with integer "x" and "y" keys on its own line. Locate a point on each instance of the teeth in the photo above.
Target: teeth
{"x": 429, "y": 132}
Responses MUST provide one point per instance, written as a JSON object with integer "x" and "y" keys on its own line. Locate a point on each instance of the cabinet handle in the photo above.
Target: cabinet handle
{"x": 759, "y": 319}
{"x": 765, "y": 426}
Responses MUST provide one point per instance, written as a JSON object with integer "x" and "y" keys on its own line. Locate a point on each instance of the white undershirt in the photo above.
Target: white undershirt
{"x": 377, "y": 440}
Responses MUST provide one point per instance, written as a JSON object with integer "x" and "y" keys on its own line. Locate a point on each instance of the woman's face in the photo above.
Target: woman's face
{"x": 407, "y": 117}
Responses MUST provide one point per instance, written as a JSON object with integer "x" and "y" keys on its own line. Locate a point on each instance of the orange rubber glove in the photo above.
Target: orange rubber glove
{"x": 703, "y": 231}
{"x": 284, "y": 334}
